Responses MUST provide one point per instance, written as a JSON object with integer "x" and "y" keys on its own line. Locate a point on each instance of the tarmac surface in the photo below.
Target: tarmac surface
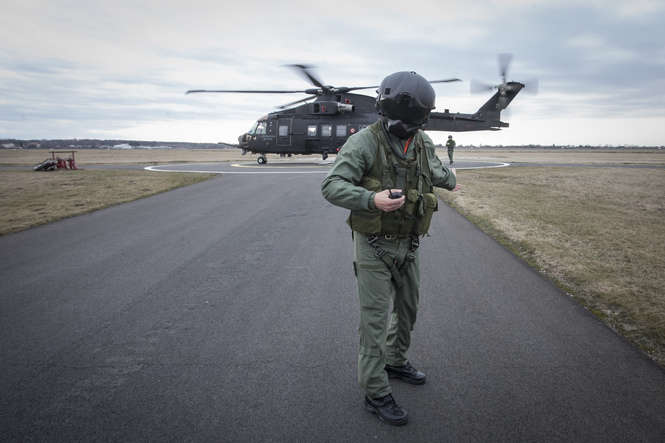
{"x": 226, "y": 311}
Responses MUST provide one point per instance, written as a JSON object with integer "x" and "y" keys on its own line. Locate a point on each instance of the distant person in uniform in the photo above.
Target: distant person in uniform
{"x": 450, "y": 144}
{"x": 385, "y": 175}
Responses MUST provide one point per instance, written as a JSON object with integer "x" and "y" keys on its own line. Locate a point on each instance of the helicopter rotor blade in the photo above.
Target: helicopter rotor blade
{"x": 295, "y": 102}
{"x": 478, "y": 87}
{"x": 242, "y": 91}
{"x": 531, "y": 86}
{"x": 355, "y": 88}
{"x": 306, "y": 71}
{"x": 448, "y": 80}
{"x": 504, "y": 64}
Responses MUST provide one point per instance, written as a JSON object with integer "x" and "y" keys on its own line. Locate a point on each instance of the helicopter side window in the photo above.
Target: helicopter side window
{"x": 340, "y": 131}
{"x": 311, "y": 131}
{"x": 261, "y": 128}
{"x": 326, "y": 130}
{"x": 283, "y": 130}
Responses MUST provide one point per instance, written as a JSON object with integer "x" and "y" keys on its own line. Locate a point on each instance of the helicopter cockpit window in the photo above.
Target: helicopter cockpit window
{"x": 326, "y": 130}
{"x": 340, "y": 131}
{"x": 261, "y": 128}
{"x": 311, "y": 131}
{"x": 252, "y": 130}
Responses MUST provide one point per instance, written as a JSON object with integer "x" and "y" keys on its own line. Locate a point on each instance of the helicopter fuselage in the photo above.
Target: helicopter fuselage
{"x": 323, "y": 126}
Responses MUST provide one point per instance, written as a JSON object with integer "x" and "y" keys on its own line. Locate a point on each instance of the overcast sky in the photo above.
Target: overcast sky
{"x": 93, "y": 69}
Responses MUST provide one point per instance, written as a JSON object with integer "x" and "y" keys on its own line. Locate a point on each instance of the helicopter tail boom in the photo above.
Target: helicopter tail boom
{"x": 491, "y": 110}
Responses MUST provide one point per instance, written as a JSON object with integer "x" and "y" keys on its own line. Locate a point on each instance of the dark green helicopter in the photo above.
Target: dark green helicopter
{"x": 322, "y": 126}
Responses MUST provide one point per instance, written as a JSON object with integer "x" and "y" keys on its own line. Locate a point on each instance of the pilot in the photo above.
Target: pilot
{"x": 450, "y": 144}
{"x": 384, "y": 175}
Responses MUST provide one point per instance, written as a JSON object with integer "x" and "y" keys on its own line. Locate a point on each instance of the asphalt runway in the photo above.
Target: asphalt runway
{"x": 226, "y": 311}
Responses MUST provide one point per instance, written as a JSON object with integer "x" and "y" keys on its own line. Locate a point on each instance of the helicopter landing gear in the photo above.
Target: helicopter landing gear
{"x": 324, "y": 155}
{"x": 262, "y": 160}
{"x": 244, "y": 152}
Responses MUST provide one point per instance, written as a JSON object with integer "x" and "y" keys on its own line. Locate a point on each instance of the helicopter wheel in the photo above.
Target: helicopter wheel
{"x": 324, "y": 155}
{"x": 262, "y": 160}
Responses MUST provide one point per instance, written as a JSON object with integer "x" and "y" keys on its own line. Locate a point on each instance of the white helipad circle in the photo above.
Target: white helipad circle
{"x": 299, "y": 166}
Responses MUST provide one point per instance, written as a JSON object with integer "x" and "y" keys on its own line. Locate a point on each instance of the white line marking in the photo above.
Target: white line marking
{"x": 500, "y": 165}
{"x": 153, "y": 169}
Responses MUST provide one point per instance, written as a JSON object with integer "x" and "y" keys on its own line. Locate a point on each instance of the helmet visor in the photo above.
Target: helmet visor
{"x": 405, "y": 108}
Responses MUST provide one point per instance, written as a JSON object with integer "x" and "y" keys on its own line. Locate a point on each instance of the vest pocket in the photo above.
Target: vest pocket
{"x": 365, "y": 222}
{"x": 411, "y": 201}
{"x": 431, "y": 205}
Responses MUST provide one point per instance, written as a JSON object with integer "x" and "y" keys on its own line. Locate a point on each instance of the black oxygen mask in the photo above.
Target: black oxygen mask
{"x": 401, "y": 129}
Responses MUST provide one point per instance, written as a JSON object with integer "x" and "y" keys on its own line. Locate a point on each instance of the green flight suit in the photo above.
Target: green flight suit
{"x": 450, "y": 144}
{"x": 384, "y": 336}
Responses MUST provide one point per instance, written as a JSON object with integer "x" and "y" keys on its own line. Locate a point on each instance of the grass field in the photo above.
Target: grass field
{"x": 619, "y": 157}
{"x": 29, "y": 157}
{"x": 33, "y": 198}
{"x": 597, "y": 232}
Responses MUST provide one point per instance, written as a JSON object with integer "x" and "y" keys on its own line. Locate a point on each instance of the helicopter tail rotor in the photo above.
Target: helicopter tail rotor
{"x": 531, "y": 86}
{"x": 478, "y": 87}
{"x": 504, "y": 64}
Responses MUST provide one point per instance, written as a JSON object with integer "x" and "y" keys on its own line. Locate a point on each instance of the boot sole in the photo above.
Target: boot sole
{"x": 398, "y": 422}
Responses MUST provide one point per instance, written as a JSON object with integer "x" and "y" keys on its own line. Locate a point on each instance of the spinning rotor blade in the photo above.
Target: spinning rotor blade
{"x": 253, "y": 91}
{"x": 448, "y": 80}
{"x": 295, "y": 102}
{"x": 306, "y": 71}
{"x": 531, "y": 86}
{"x": 478, "y": 87}
{"x": 504, "y": 64}
{"x": 355, "y": 88}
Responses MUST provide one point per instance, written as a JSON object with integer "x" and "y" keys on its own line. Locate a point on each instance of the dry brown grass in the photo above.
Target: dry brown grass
{"x": 651, "y": 157}
{"x": 33, "y": 198}
{"x": 25, "y": 157}
{"x": 597, "y": 232}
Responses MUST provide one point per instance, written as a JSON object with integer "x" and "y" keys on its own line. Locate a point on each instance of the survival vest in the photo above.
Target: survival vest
{"x": 414, "y": 217}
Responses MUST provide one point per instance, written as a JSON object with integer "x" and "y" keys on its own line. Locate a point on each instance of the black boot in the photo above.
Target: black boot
{"x": 406, "y": 373}
{"x": 387, "y": 410}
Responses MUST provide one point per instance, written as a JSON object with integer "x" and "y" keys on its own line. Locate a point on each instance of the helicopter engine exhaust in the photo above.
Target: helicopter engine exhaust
{"x": 344, "y": 107}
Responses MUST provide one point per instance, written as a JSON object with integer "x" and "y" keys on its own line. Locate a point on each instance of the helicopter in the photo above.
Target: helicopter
{"x": 335, "y": 113}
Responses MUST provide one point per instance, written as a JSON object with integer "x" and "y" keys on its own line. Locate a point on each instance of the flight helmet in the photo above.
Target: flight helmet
{"x": 405, "y": 99}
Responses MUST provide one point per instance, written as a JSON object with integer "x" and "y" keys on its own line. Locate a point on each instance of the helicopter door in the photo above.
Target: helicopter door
{"x": 284, "y": 131}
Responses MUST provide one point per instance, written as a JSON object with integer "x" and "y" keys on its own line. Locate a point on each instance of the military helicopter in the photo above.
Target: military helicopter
{"x": 334, "y": 113}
